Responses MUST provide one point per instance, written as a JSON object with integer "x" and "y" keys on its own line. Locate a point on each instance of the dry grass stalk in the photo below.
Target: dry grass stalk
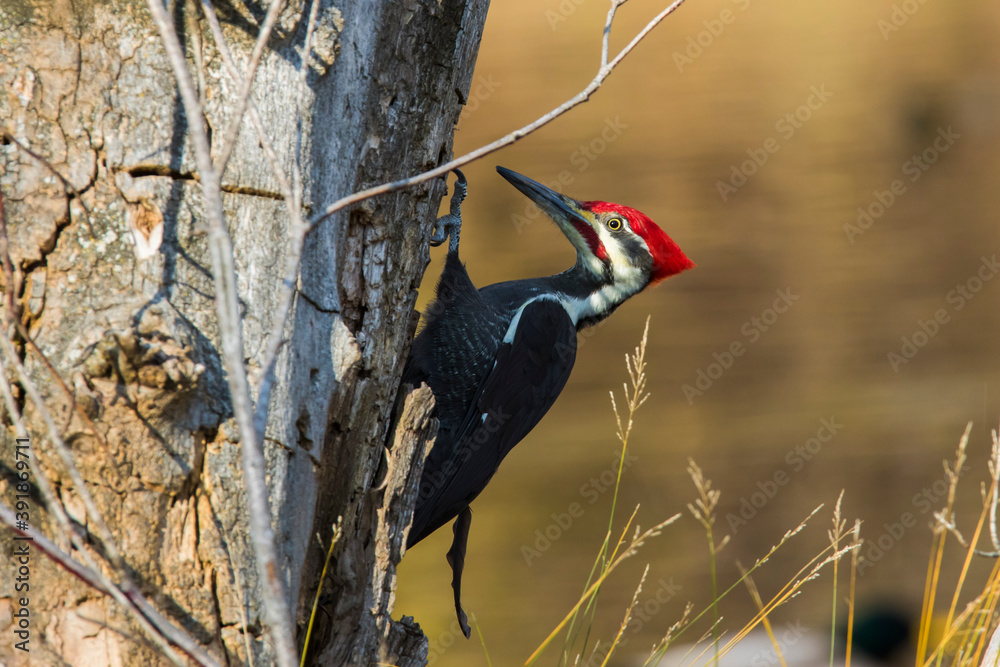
{"x": 994, "y": 467}
{"x": 835, "y": 534}
{"x": 807, "y": 573}
{"x": 937, "y": 550}
{"x": 635, "y": 365}
{"x": 628, "y": 617}
{"x": 703, "y": 510}
{"x": 662, "y": 646}
{"x": 616, "y": 559}
{"x": 755, "y": 596}
{"x": 856, "y": 541}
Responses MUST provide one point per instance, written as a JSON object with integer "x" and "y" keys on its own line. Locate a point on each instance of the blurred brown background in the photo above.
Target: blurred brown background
{"x": 869, "y": 87}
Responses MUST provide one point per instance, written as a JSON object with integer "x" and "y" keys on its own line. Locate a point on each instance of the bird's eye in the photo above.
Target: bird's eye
{"x": 615, "y": 224}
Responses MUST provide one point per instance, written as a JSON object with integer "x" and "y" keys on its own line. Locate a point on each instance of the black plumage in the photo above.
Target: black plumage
{"x": 497, "y": 358}
{"x": 489, "y": 394}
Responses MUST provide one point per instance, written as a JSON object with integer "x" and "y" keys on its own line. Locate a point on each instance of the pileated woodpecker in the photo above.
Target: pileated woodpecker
{"x": 496, "y": 358}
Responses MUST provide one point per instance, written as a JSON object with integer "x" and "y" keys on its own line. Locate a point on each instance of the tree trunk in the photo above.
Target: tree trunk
{"x": 114, "y": 285}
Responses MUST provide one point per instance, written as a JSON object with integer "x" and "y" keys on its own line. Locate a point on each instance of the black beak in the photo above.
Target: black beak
{"x": 576, "y": 222}
{"x": 560, "y": 208}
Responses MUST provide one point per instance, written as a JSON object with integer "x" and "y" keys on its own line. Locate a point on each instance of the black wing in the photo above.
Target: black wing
{"x": 527, "y": 376}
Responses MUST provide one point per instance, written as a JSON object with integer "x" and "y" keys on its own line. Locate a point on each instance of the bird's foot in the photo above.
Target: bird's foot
{"x": 450, "y": 225}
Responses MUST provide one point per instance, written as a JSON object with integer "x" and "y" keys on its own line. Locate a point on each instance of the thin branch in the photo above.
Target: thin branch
{"x": 8, "y": 266}
{"x": 296, "y": 241}
{"x": 516, "y": 135}
{"x": 160, "y": 630}
{"x": 55, "y": 507}
{"x": 293, "y": 202}
{"x": 265, "y": 141}
{"x": 233, "y": 131}
{"x": 64, "y": 453}
{"x": 156, "y": 626}
{"x": 276, "y": 610}
{"x": 197, "y": 48}
{"x": 69, "y": 187}
{"x": 615, "y": 4}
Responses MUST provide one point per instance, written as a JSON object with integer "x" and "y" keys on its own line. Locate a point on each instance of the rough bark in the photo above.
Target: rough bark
{"x": 120, "y": 299}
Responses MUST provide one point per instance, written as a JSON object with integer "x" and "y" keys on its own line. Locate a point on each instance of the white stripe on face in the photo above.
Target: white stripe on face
{"x": 583, "y": 252}
{"x": 627, "y": 277}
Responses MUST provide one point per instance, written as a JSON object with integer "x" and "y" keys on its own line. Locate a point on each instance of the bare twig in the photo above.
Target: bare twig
{"x": 233, "y": 131}
{"x": 277, "y": 614}
{"x": 602, "y": 73}
{"x": 69, "y": 187}
{"x": 293, "y": 202}
{"x": 8, "y": 266}
{"x": 265, "y": 141}
{"x": 197, "y": 47}
{"x": 156, "y": 626}
{"x": 296, "y": 241}
{"x": 55, "y": 507}
{"x": 64, "y": 453}
{"x": 615, "y": 4}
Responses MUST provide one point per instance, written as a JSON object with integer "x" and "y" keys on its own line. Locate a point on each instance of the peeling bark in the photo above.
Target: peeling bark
{"x": 113, "y": 282}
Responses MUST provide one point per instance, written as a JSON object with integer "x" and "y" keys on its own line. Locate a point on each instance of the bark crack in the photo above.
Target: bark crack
{"x": 164, "y": 170}
{"x": 314, "y": 304}
{"x": 70, "y": 192}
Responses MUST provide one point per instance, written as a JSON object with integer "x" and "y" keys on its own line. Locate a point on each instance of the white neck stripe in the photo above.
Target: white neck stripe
{"x": 579, "y": 309}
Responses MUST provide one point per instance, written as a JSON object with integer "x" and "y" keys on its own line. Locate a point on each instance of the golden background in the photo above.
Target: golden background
{"x": 660, "y": 136}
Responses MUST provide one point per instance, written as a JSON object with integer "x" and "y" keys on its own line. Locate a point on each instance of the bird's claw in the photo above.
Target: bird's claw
{"x": 450, "y": 225}
{"x": 440, "y": 235}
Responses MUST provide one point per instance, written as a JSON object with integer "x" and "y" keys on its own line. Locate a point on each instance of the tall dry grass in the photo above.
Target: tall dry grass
{"x": 946, "y": 636}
